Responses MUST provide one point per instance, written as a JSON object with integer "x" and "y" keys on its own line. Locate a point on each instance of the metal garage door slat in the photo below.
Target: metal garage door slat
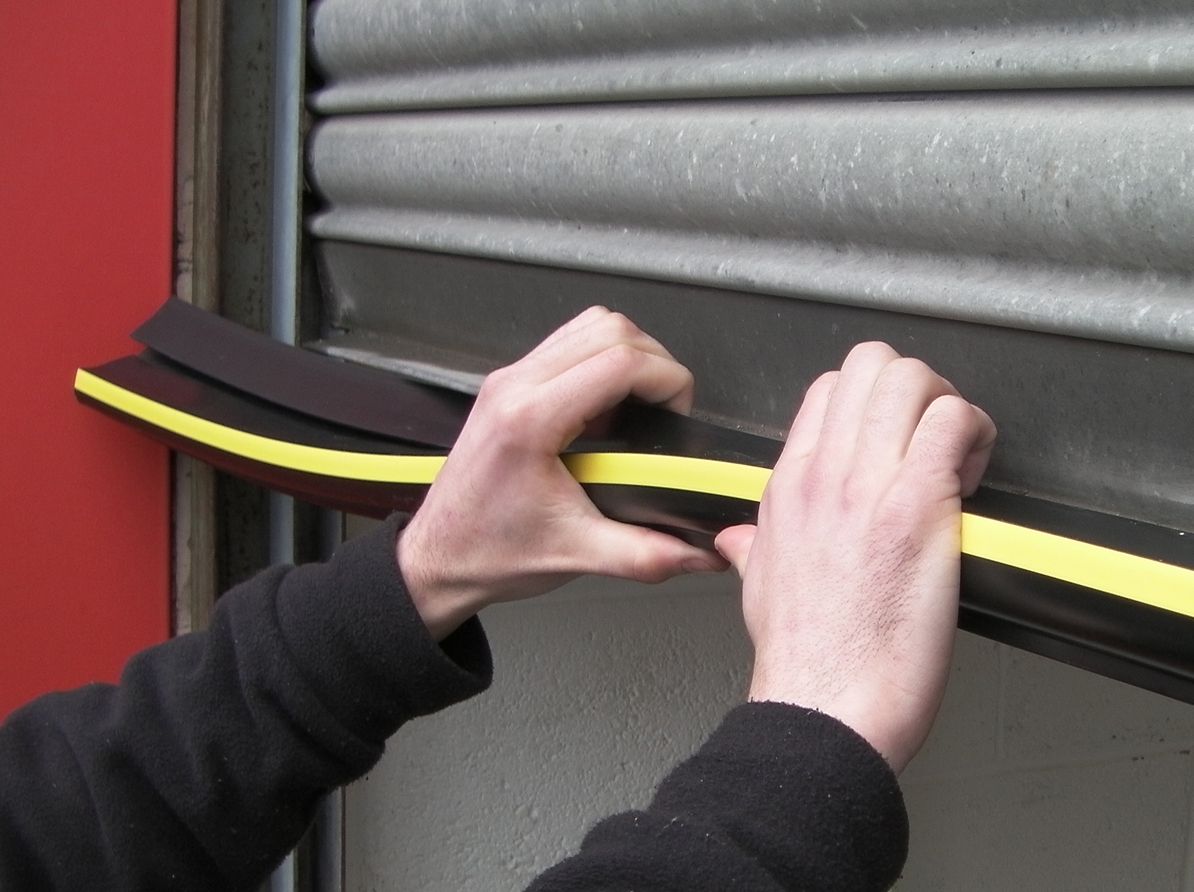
{"x": 1001, "y": 188}
{"x": 1049, "y": 211}
{"x": 435, "y": 53}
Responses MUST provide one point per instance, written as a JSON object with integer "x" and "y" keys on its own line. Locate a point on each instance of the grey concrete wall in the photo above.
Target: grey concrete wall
{"x": 1041, "y": 776}
{"x": 599, "y": 689}
{"x": 1038, "y": 776}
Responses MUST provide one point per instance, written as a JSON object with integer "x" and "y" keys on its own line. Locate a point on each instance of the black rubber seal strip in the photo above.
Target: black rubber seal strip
{"x": 320, "y": 386}
{"x": 255, "y": 385}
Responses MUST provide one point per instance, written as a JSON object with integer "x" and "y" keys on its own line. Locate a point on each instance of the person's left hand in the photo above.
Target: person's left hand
{"x": 504, "y": 519}
{"x": 850, "y": 580}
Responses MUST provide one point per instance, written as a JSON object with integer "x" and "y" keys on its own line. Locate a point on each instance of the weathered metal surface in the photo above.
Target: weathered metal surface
{"x": 377, "y": 54}
{"x": 1001, "y": 187}
{"x": 1093, "y": 424}
{"x": 1007, "y": 195}
{"x": 1049, "y": 211}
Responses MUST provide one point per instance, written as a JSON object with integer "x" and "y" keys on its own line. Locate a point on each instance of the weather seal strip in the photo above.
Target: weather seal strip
{"x": 1105, "y": 593}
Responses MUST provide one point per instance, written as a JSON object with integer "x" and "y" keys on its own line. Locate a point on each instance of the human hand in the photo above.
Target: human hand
{"x": 850, "y": 580}
{"x": 504, "y": 519}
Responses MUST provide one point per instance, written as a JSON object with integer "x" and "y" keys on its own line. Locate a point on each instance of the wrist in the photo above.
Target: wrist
{"x": 870, "y": 712}
{"x": 442, "y": 609}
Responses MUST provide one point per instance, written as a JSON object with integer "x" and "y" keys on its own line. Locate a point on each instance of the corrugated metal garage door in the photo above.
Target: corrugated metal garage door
{"x": 1001, "y": 188}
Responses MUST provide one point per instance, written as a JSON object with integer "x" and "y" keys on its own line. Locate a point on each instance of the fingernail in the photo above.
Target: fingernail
{"x": 700, "y": 565}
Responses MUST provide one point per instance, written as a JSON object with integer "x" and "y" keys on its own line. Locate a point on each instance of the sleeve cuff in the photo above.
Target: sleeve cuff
{"x": 368, "y": 652}
{"x": 773, "y": 773}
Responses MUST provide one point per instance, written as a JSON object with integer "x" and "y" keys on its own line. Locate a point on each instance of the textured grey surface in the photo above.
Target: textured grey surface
{"x": 599, "y": 690}
{"x": 1067, "y": 213}
{"x": 1006, "y": 194}
{"x": 1091, "y": 423}
{"x": 1072, "y": 827}
{"x": 379, "y": 54}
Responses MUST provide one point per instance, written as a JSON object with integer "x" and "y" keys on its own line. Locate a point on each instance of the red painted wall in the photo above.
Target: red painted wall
{"x": 86, "y": 191}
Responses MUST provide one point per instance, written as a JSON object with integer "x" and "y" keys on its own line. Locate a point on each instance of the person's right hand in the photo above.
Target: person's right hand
{"x": 850, "y": 580}
{"x": 504, "y": 518}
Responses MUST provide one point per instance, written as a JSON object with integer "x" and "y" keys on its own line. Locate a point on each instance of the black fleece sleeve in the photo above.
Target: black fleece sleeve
{"x": 202, "y": 768}
{"x": 778, "y": 798}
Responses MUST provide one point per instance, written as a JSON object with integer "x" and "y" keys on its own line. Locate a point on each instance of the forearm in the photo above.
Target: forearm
{"x": 202, "y": 767}
{"x": 779, "y": 798}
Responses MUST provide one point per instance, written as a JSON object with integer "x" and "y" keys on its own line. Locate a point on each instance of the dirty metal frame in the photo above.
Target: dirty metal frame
{"x": 238, "y": 219}
{"x": 196, "y": 210}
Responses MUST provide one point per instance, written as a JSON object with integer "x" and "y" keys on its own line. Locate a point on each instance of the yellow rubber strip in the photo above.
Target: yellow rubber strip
{"x": 1093, "y": 566}
{"x": 703, "y": 475}
{"x": 414, "y": 469}
{"x": 1119, "y": 573}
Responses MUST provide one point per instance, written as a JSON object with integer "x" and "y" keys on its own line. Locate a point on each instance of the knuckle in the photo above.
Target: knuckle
{"x": 622, "y": 357}
{"x": 815, "y": 482}
{"x": 824, "y": 382}
{"x": 819, "y": 392}
{"x": 650, "y": 567}
{"x": 684, "y": 377}
{"x": 951, "y": 413}
{"x": 903, "y": 377}
{"x": 825, "y": 379}
{"x": 652, "y": 573}
{"x": 871, "y": 352}
{"x": 911, "y": 368}
{"x": 495, "y": 382}
{"x": 588, "y": 315}
{"x": 619, "y": 325}
{"x": 510, "y": 414}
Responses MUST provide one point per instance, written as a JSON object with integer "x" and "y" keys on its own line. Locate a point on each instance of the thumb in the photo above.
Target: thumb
{"x": 633, "y": 552}
{"x": 734, "y": 544}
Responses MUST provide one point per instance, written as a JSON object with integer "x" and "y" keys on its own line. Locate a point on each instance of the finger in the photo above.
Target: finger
{"x": 632, "y": 552}
{"x": 535, "y": 365}
{"x": 851, "y": 395}
{"x": 573, "y": 347}
{"x": 584, "y": 391}
{"x": 902, "y": 394}
{"x": 975, "y": 464}
{"x": 577, "y": 322}
{"x": 806, "y": 428}
{"x": 734, "y": 545}
{"x": 953, "y": 440}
